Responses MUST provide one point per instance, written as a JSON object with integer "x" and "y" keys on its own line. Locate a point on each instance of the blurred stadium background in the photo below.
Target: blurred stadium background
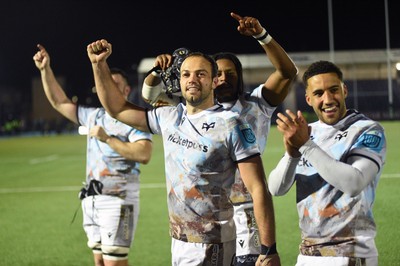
{"x": 372, "y": 77}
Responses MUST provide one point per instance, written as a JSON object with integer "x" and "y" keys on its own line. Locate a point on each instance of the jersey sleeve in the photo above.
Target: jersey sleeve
{"x": 243, "y": 141}
{"x": 371, "y": 144}
{"x": 159, "y": 116}
{"x": 83, "y": 113}
{"x": 136, "y": 135}
{"x": 256, "y": 96}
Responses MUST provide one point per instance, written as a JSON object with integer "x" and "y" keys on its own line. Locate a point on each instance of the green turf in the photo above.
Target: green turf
{"x": 35, "y": 225}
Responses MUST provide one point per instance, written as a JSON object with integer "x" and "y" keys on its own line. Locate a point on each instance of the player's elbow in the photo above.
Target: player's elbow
{"x": 146, "y": 155}
{"x": 275, "y": 191}
{"x": 145, "y": 160}
{"x": 353, "y": 191}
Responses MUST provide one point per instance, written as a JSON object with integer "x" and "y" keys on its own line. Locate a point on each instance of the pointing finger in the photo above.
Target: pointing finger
{"x": 236, "y": 16}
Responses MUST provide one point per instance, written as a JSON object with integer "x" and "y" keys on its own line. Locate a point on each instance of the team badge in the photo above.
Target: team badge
{"x": 371, "y": 141}
{"x": 248, "y": 133}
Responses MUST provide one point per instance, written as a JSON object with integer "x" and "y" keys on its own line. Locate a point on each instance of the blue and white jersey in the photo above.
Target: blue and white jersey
{"x": 201, "y": 154}
{"x": 253, "y": 109}
{"x": 119, "y": 176}
{"x": 327, "y": 215}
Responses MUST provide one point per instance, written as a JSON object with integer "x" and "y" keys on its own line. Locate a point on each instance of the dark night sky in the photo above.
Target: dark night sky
{"x": 139, "y": 29}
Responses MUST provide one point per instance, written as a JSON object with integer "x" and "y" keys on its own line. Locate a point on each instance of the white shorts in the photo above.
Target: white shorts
{"x": 247, "y": 238}
{"x": 109, "y": 220}
{"x": 303, "y": 260}
{"x": 198, "y": 254}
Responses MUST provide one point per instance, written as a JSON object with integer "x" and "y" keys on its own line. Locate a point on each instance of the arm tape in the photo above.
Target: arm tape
{"x": 151, "y": 93}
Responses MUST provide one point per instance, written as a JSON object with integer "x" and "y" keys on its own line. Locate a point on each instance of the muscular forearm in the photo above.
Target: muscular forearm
{"x": 280, "y": 60}
{"x": 56, "y": 95}
{"x": 264, "y": 214}
{"x": 114, "y": 101}
{"x": 109, "y": 95}
{"x": 137, "y": 151}
{"x": 253, "y": 176}
{"x": 278, "y": 84}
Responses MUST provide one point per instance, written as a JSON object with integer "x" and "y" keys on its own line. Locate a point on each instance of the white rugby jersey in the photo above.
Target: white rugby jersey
{"x": 201, "y": 152}
{"x": 343, "y": 223}
{"x": 253, "y": 109}
{"x": 119, "y": 176}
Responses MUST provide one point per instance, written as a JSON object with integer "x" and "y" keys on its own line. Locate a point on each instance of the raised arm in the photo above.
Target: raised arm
{"x": 54, "y": 92}
{"x": 110, "y": 96}
{"x": 277, "y": 85}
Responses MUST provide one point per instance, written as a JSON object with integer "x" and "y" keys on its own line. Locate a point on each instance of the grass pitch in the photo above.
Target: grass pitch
{"x": 40, "y": 178}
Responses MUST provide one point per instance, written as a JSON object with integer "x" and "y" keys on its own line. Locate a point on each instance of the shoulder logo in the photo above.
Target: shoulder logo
{"x": 341, "y": 135}
{"x": 248, "y": 133}
{"x": 371, "y": 140}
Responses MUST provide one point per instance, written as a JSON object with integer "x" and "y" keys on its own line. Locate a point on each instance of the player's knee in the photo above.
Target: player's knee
{"x": 115, "y": 252}
{"x": 95, "y": 246}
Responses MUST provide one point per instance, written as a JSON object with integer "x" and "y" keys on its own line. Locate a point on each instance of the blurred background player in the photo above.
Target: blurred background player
{"x": 110, "y": 199}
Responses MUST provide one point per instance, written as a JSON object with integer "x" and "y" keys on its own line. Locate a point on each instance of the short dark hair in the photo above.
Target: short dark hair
{"x": 119, "y": 71}
{"x": 238, "y": 65}
{"x": 321, "y": 67}
{"x": 214, "y": 66}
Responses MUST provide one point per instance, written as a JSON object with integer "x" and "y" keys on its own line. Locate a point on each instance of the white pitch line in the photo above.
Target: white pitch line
{"x": 390, "y": 175}
{"x": 74, "y": 188}
{"x": 44, "y": 159}
{"x": 63, "y": 189}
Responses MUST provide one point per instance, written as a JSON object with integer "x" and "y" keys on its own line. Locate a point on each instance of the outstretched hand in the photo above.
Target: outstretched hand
{"x": 41, "y": 58}
{"x": 248, "y": 26}
{"x": 99, "y": 51}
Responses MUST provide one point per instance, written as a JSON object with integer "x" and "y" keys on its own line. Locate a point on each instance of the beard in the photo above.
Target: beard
{"x": 226, "y": 93}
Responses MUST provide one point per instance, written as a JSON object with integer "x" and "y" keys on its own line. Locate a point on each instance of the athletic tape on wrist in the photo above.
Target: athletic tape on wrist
{"x": 268, "y": 250}
{"x": 155, "y": 74}
{"x": 263, "y": 37}
{"x": 151, "y": 93}
{"x": 266, "y": 40}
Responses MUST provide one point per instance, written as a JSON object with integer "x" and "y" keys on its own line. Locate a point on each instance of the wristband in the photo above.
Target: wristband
{"x": 263, "y": 37}
{"x": 268, "y": 250}
{"x": 151, "y": 93}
